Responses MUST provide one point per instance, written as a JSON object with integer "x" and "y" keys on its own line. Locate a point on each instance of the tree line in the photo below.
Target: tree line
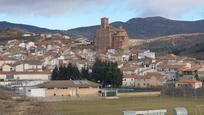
{"x": 104, "y": 72}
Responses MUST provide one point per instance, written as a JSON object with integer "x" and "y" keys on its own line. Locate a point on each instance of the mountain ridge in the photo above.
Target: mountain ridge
{"x": 137, "y": 28}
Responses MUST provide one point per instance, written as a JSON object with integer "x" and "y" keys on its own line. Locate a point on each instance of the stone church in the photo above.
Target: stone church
{"x": 108, "y": 37}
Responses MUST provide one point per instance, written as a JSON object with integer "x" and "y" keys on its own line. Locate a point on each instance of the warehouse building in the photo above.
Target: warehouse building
{"x": 64, "y": 88}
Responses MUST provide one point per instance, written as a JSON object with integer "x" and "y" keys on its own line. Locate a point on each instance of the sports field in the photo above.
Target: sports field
{"x": 115, "y": 107}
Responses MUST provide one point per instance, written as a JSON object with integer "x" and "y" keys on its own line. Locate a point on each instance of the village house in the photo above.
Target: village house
{"x": 7, "y": 60}
{"x": 189, "y": 71}
{"x": 172, "y": 70}
{"x": 3, "y": 47}
{"x": 131, "y": 70}
{"x": 188, "y": 83}
{"x": 8, "y": 67}
{"x": 144, "y": 81}
{"x": 68, "y": 88}
{"x": 147, "y": 53}
{"x": 27, "y": 70}
{"x": 12, "y": 43}
{"x": 33, "y": 65}
{"x": 134, "y": 54}
{"x": 177, "y": 70}
{"x": 27, "y": 34}
{"x": 201, "y": 73}
{"x": 148, "y": 63}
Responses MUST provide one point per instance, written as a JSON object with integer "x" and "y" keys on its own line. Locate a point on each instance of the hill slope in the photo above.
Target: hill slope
{"x": 35, "y": 29}
{"x": 182, "y": 44}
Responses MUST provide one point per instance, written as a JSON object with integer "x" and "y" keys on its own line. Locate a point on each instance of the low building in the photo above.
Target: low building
{"x": 148, "y": 112}
{"x": 188, "y": 83}
{"x": 65, "y": 88}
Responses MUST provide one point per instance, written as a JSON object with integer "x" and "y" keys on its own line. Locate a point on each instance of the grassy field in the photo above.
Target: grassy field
{"x": 115, "y": 107}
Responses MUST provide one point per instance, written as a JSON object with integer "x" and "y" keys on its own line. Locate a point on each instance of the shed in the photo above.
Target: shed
{"x": 180, "y": 111}
{"x": 147, "y": 112}
{"x": 109, "y": 92}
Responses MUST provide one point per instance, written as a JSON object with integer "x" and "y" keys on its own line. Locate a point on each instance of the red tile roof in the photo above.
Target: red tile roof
{"x": 188, "y": 81}
{"x": 14, "y": 72}
{"x": 171, "y": 66}
{"x": 7, "y": 58}
{"x": 192, "y": 68}
{"x": 132, "y": 68}
{"x": 133, "y": 76}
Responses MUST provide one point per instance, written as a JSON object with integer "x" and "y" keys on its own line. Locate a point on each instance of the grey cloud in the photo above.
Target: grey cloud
{"x": 167, "y": 8}
{"x": 45, "y": 7}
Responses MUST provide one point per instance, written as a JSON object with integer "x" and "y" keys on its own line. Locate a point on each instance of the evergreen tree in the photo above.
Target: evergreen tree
{"x": 104, "y": 72}
{"x": 62, "y": 73}
{"x": 76, "y": 75}
{"x": 85, "y": 73}
{"x": 66, "y": 72}
{"x": 196, "y": 76}
{"x": 107, "y": 73}
{"x": 55, "y": 75}
{"x": 69, "y": 72}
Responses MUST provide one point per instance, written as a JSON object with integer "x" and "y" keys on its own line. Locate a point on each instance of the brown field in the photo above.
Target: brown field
{"x": 115, "y": 107}
{"x": 22, "y": 106}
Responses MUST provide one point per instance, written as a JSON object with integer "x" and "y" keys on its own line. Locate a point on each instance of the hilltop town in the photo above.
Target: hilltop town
{"x": 28, "y": 61}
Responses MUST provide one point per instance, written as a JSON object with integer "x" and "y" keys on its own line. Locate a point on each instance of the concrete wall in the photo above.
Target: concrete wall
{"x": 32, "y": 76}
{"x": 56, "y": 92}
{"x": 38, "y": 92}
{"x": 139, "y": 94}
{"x": 193, "y": 85}
{"x": 2, "y": 76}
{"x": 20, "y": 68}
{"x": 128, "y": 82}
{"x": 87, "y": 91}
{"x": 72, "y": 92}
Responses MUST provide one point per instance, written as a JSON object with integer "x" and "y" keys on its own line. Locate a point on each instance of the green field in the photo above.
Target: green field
{"x": 115, "y": 107}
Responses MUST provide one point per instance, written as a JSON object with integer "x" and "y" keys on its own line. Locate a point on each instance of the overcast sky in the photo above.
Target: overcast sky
{"x": 66, "y": 14}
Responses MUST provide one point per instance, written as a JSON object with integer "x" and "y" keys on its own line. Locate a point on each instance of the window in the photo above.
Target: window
{"x": 50, "y": 88}
{"x": 10, "y": 76}
{"x": 131, "y": 79}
